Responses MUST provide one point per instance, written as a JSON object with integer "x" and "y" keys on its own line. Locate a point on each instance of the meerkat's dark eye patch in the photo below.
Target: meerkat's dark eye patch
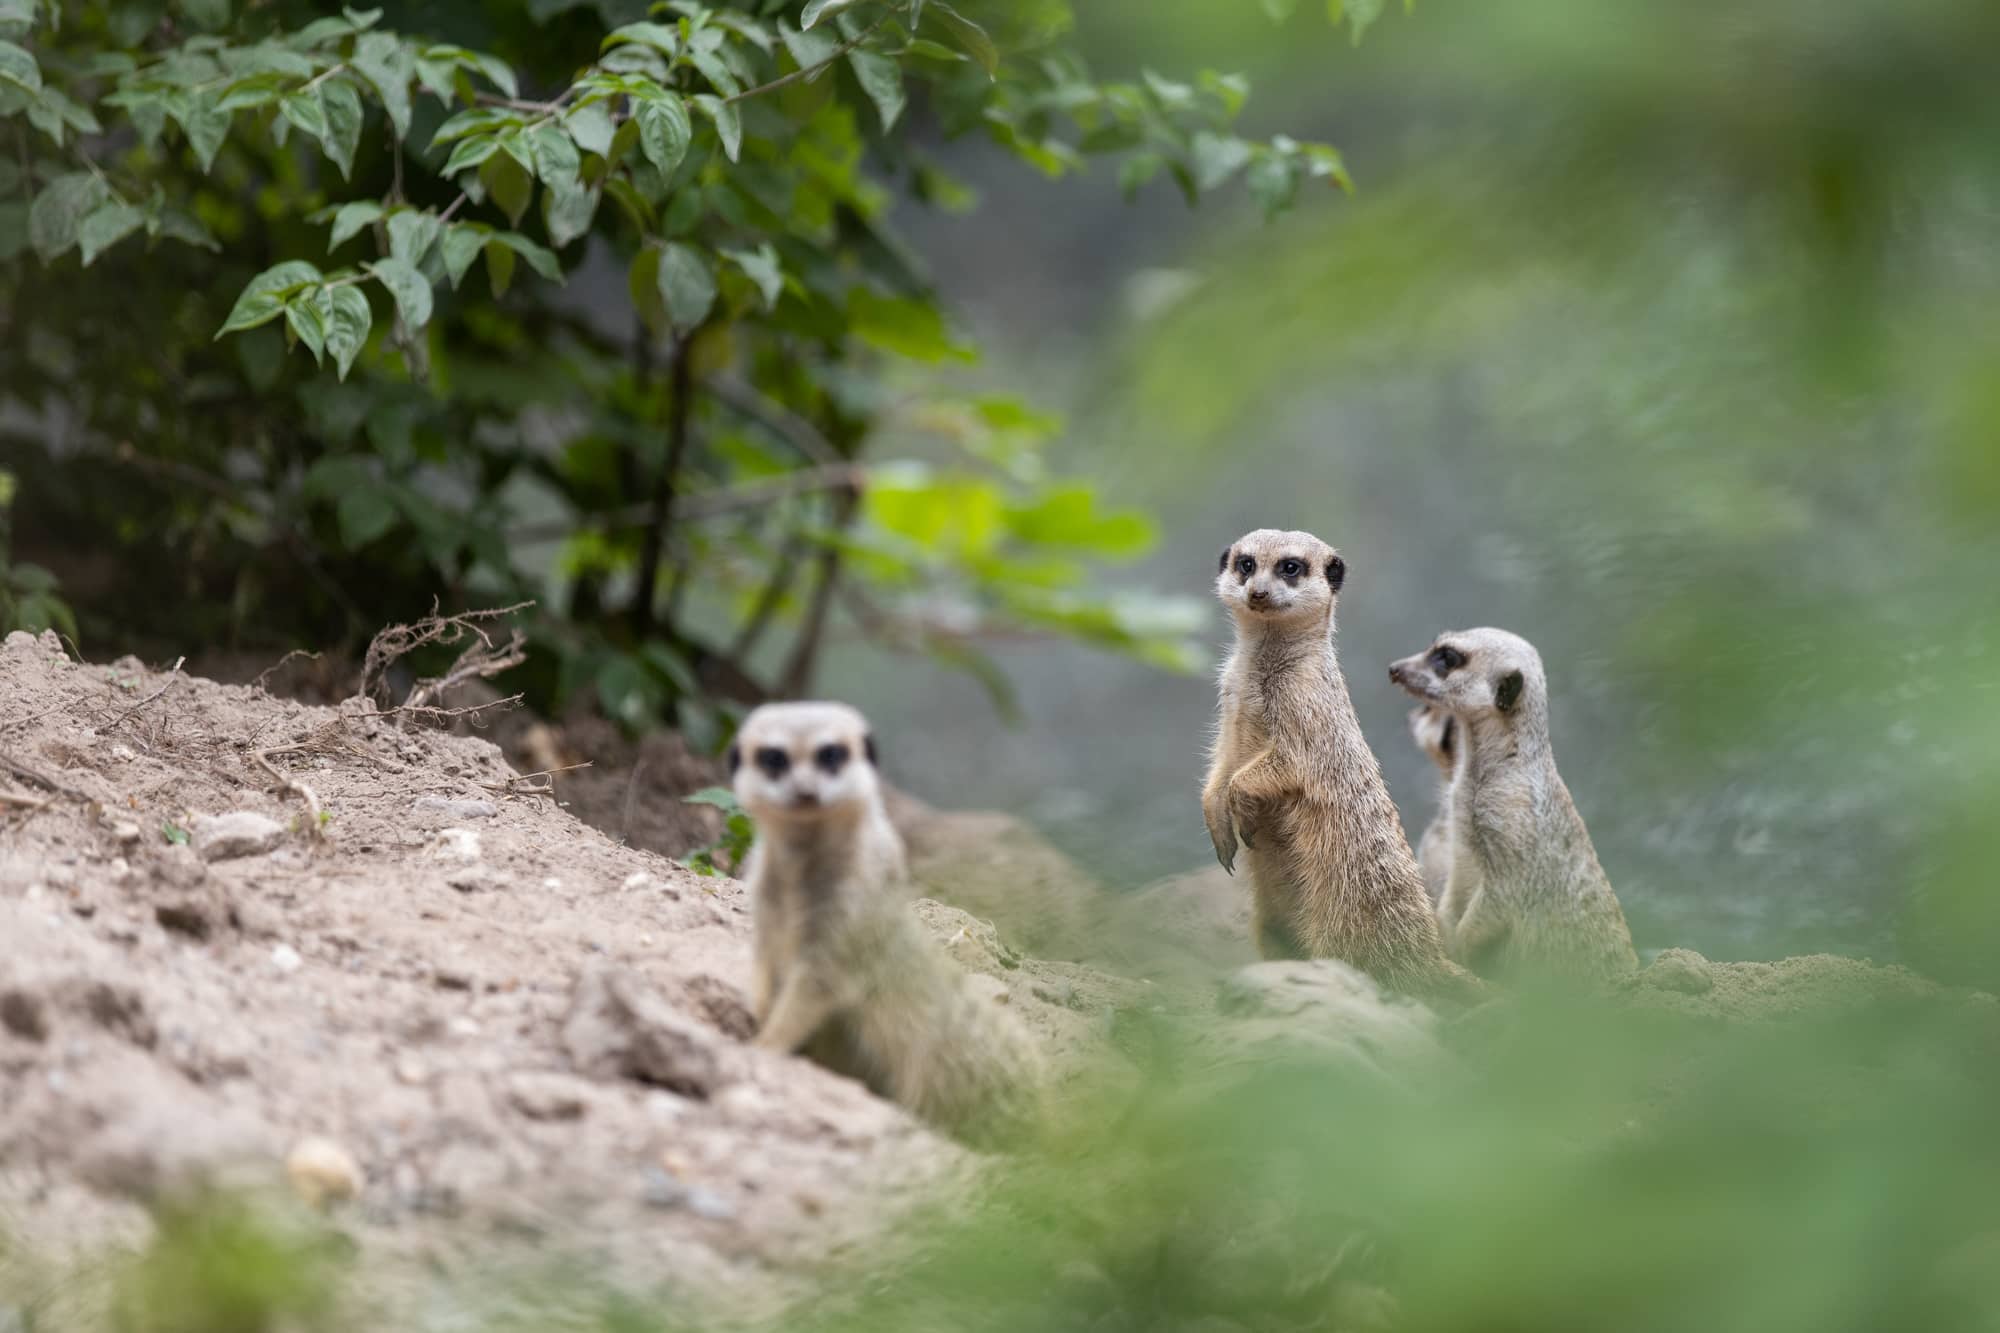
{"x": 734, "y": 758}
{"x": 1446, "y": 659}
{"x": 868, "y": 748}
{"x": 1336, "y": 572}
{"x": 1245, "y": 566}
{"x": 1222, "y": 566}
{"x": 775, "y": 762}
{"x": 1289, "y": 569}
{"x": 1508, "y": 692}
{"x": 832, "y": 758}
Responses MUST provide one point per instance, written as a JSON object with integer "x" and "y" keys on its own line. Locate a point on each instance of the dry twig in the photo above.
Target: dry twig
{"x": 265, "y": 674}
{"x": 173, "y": 675}
{"x": 482, "y": 658}
{"x": 262, "y": 758}
{"x": 509, "y": 787}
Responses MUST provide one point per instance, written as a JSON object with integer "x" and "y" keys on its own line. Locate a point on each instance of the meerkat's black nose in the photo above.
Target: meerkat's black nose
{"x": 1259, "y": 595}
{"x": 1396, "y": 672}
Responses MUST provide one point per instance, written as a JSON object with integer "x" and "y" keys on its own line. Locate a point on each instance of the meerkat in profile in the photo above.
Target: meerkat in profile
{"x": 1525, "y": 895}
{"x": 844, "y": 974}
{"x": 1433, "y": 729}
{"x": 1331, "y": 873}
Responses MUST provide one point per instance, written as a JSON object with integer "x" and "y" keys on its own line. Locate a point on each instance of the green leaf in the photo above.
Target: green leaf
{"x": 345, "y": 312}
{"x": 659, "y": 36}
{"x": 13, "y": 229}
{"x": 366, "y": 513}
{"x": 212, "y": 15}
{"x": 178, "y": 226}
{"x": 540, "y": 258}
{"x": 384, "y": 62}
{"x": 556, "y": 160}
{"x": 107, "y": 226}
{"x": 728, "y": 123}
{"x": 718, "y": 74}
{"x": 343, "y": 124}
{"x": 411, "y": 234}
{"x": 263, "y": 297}
{"x": 687, "y": 284}
{"x": 474, "y": 121}
{"x": 459, "y": 246}
{"x": 567, "y": 214}
{"x": 499, "y": 267}
{"x": 903, "y": 325}
{"x": 302, "y": 317}
{"x": 206, "y": 126}
{"x": 1360, "y": 15}
{"x": 809, "y": 48}
{"x": 882, "y": 79}
{"x": 643, "y": 284}
{"x": 255, "y": 91}
{"x": 1136, "y": 170}
{"x": 470, "y": 153}
{"x": 18, "y": 68}
{"x": 1274, "y": 181}
{"x": 306, "y": 111}
{"x": 349, "y": 219}
{"x": 762, "y": 268}
{"x": 1217, "y": 157}
{"x": 967, "y": 36}
{"x": 664, "y": 131}
{"x": 412, "y": 292}
{"x": 1279, "y": 10}
{"x": 592, "y": 129}
{"x": 816, "y": 10}
{"x": 59, "y": 210}
{"x": 509, "y": 183}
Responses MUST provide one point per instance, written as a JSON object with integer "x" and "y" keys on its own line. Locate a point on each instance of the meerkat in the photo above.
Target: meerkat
{"x": 1433, "y": 730}
{"x": 1525, "y": 895}
{"x": 1331, "y": 872}
{"x": 843, "y": 971}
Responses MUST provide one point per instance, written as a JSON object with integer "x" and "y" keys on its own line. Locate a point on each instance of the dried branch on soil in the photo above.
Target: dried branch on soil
{"x": 482, "y": 658}
{"x": 523, "y": 784}
{"x": 173, "y": 675}
{"x": 266, "y": 673}
{"x": 314, "y": 824}
{"x": 28, "y": 773}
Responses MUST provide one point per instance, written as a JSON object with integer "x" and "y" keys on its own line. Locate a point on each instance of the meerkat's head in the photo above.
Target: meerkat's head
{"x": 1269, "y": 577}
{"x": 1435, "y": 731}
{"x": 1477, "y": 674}
{"x": 805, "y": 761}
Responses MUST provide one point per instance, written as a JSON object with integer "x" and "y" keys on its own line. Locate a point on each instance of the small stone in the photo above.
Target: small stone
{"x": 411, "y": 1070}
{"x": 455, "y": 844}
{"x": 286, "y": 959}
{"x": 452, "y": 978}
{"x": 661, "y": 1190}
{"x": 322, "y": 1171}
{"x": 23, "y": 1014}
{"x": 706, "y": 1203}
{"x": 238, "y": 833}
{"x": 664, "y": 1108}
{"x": 463, "y": 1027}
{"x": 478, "y": 879}
{"x": 540, "y": 1096}
{"x": 123, "y": 753}
{"x": 454, "y": 808}
{"x": 551, "y": 883}
{"x": 125, "y": 832}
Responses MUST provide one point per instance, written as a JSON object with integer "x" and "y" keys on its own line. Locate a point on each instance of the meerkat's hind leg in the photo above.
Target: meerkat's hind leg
{"x": 799, "y": 1009}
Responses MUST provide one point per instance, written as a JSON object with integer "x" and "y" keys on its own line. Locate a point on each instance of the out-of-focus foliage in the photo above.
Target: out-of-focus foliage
{"x": 672, "y": 453}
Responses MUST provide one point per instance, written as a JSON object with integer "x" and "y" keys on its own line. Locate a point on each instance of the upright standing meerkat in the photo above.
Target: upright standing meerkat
{"x": 1525, "y": 895}
{"x": 844, "y": 973}
{"x": 1331, "y": 873}
{"x": 1434, "y": 731}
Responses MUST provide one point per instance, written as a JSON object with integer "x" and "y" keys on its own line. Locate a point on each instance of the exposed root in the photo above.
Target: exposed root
{"x": 315, "y": 825}
{"x": 267, "y": 672}
{"x": 524, "y": 784}
{"x": 173, "y": 676}
{"x": 482, "y": 658}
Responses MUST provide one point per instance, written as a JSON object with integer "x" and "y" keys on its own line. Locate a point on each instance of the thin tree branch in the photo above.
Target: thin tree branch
{"x": 848, "y": 478}
{"x": 659, "y": 511}
{"x": 775, "y": 417}
{"x": 797, "y": 675}
{"x": 807, "y": 71}
{"x": 768, "y": 599}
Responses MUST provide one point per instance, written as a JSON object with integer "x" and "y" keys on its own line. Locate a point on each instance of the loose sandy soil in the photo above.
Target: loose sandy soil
{"x": 527, "y": 1035}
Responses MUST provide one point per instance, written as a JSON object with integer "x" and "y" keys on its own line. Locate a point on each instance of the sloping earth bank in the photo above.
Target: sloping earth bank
{"x": 517, "y": 1041}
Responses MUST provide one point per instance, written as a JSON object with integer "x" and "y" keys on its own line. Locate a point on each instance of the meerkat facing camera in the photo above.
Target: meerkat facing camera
{"x": 1434, "y": 731}
{"x": 844, "y": 973}
{"x": 1291, "y": 775}
{"x": 1525, "y": 894}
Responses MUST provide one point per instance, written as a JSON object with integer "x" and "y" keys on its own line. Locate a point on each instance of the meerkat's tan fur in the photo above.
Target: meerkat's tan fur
{"x": 1434, "y": 731}
{"x": 1525, "y": 896}
{"x": 1331, "y": 873}
{"x": 844, "y": 973}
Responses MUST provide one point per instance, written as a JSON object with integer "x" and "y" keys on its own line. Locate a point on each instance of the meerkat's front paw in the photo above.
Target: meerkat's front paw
{"x": 1215, "y": 811}
{"x": 1244, "y": 811}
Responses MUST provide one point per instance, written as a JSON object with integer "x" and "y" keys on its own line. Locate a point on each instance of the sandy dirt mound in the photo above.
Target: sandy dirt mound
{"x": 514, "y": 1029}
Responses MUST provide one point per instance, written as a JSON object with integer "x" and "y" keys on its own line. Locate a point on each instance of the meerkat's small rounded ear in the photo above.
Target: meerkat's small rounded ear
{"x": 735, "y": 758}
{"x": 1508, "y": 692}
{"x": 868, "y": 746}
{"x": 1222, "y": 565}
{"x": 1336, "y": 572}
